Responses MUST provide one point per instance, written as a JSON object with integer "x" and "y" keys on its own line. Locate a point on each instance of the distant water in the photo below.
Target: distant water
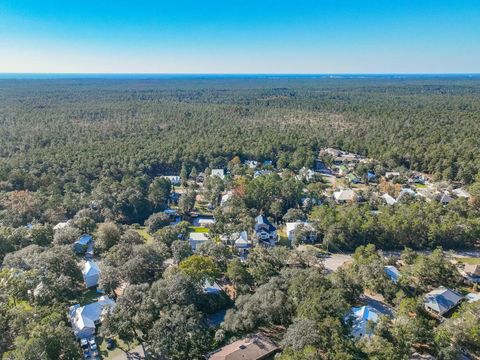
{"x": 44, "y": 76}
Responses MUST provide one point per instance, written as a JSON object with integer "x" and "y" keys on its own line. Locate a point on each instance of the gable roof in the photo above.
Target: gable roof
{"x": 83, "y": 317}
{"x": 262, "y": 220}
{"x": 90, "y": 268}
{"x": 442, "y": 300}
{"x": 360, "y": 317}
{"x": 392, "y": 272}
{"x": 218, "y": 172}
{"x": 251, "y": 348}
{"x": 445, "y": 198}
{"x": 84, "y": 239}
{"x": 344, "y": 195}
{"x": 198, "y": 236}
{"x": 472, "y": 270}
{"x": 388, "y": 199}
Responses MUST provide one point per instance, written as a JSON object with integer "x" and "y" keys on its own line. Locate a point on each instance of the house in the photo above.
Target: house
{"x": 388, "y": 199}
{"x": 218, "y": 173}
{"x": 61, "y": 225}
{"x": 392, "y": 272}
{"x": 392, "y": 174}
{"x": 307, "y": 174}
{"x": 256, "y": 347}
{"x": 196, "y": 239}
{"x": 472, "y": 272}
{"x": 371, "y": 176}
{"x": 290, "y": 228}
{"x": 173, "y": 215}
{"x": 445, "y": 198}
{"x": 258, "y": 173}
{"x": 240, "y": 241}
{"x": 252, "y": 164}
{"x": 174, "y": 180}
{"x": 472, "y": 297}
{"x": 200, "y": 177}
{"x": 91, "y": 273}
{"x": 209, "y": 288}
{"x": 360, "y": 318}
{"x": 225, "y": 198}
{"x": 204, "y": 221}
{"x": 84, "y": 319}
{"x": 84, "y": 245}
{"x": 265, "y": 232}
{"x": 461, "y": 193}
{"x": 441, "y": 300}
{"x": 406, "y": 192}
{"x": 344, "y": 196}
{"x": 426, "y": 194}
{"x": 353, "y": 179}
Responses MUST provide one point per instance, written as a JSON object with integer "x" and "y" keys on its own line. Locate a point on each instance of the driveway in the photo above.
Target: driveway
{"x": 334, "y": 261}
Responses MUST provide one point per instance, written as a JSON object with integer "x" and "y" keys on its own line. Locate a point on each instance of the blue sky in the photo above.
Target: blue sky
{"x": 240, "y": 36}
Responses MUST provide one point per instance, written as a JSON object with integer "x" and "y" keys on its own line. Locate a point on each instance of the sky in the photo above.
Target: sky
{"x": 240, "y": 36}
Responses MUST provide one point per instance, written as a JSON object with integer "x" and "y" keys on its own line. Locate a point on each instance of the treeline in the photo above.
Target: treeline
{"x": 54, "y": 130}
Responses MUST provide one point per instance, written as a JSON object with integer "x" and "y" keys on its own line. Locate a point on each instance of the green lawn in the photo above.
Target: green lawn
{"x": 198, "y": 229}
{"x": 470, "y": 260}
{"x": 87, "y": 296}
{"x": 119, "y": 348}
{"x": 420, "y": 186}
{"x": 145, "y": 234}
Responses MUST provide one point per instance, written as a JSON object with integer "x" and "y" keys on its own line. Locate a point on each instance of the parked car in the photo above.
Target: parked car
{"x": 84, "y": 344}
{"x": 110, "y": 344}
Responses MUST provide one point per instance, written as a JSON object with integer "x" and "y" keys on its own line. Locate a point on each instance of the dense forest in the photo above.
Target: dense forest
{"x": 53, "y": 131}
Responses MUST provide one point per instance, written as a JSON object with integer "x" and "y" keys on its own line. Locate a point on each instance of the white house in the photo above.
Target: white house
{"x": 61, "y": 225}
{"x": 392, "y": 272}
{"x": 360, "y": 317}
{"x": 308, "y": 174}
{"x": 290, "y": 228}
{"x": 91, "y": 273}
{"x": 174, "y": 180}
{"x": 388, "y": 199}
{"x": 441, "y": 300}
{"x": 345, "y": 195}
{"x": 85, "y": 318}
{"x": 219, "y": 173}
{"x": 252, "y": 164}
{"x": 196, "y": 239}
{"x": 391, "y": 174}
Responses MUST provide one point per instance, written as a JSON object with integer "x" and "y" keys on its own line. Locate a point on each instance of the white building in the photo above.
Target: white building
{"x": 393, "y": 273}
{"x": 345, "y": 195}
{"x": 91, "y": 273}
{"x": 360, "y": 317}
{"x": 290, "y": 228}
{"x": 219, "y": 173}
{"x": 196, "y": 239}
{"x": 174, "y": 180}
{"x": 84, "y": 319}
{"x": 388, "y": 199}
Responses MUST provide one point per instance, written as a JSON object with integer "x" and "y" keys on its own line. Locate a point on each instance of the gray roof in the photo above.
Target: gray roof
{"x": 442, "y": 300}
